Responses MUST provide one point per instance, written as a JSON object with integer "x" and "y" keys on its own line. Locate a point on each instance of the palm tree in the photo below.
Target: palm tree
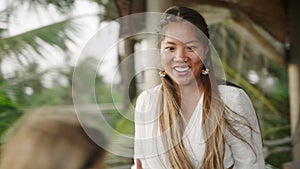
{"x": 22, "y": 47}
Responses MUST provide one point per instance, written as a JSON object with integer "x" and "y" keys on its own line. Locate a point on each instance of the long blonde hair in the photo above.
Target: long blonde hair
{"x": 215, "y": 112}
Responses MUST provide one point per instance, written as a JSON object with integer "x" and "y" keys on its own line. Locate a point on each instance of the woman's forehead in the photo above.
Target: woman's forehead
{"x": 179, "y": 31}
{"x": 180, "y": 26}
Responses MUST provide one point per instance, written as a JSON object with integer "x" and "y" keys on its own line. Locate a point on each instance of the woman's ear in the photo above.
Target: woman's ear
{"x": 206, "y": 51}
{"x": 204, "y": 54}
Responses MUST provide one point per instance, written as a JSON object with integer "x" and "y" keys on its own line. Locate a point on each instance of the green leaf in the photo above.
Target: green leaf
{"x": 9, "y": 113}
{"x": 56, "y": 35}
{"x": 62, "y": 6}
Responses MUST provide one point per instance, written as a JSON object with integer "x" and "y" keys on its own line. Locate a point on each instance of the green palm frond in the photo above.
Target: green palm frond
{"x": 56, "y": 35}
{"x": 253, "y": 90}
{"x": 9, "y": 113}
{"x": 109, "y": 6}
{"x": 62, "y": 6}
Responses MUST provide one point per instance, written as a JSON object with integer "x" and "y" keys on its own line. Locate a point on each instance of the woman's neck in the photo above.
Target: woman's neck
{"x": 188, "y": 98}
{"x": 189, "y": 91}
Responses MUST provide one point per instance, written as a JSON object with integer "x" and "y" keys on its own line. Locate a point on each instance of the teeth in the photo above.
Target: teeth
{"x": 181, "y": 69}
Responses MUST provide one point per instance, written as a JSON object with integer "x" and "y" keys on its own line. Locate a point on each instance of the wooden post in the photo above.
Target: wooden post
{"x": 151, "y": 75}
{"x": 293, "y": 70}
{"x": 292, "y": 165}
{"x": 294, "y": 73}
{"x": 127, "y": 28}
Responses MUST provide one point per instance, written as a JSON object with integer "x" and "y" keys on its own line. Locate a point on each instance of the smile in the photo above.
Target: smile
{"x": 181, "y": 69}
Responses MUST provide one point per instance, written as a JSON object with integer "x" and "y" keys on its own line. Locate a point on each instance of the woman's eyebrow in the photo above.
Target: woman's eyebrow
{"x": 174, "y": 43}
{"x": 192, "y": 41}
{"x": 169, "y": 42}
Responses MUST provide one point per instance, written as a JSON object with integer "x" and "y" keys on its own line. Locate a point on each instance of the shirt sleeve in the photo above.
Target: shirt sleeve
{"x": 246, "y": 155}
{"x": 142, "y": 106}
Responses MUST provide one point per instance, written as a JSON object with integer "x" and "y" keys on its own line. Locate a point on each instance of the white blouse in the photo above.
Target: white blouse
{"x": 148, "y": 146}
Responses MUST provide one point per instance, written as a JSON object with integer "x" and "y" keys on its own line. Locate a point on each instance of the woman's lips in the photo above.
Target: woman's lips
{"x": 181, "y": 70}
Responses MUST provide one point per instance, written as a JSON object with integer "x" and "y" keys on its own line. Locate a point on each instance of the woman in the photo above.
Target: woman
{"x": 192, "y": 120}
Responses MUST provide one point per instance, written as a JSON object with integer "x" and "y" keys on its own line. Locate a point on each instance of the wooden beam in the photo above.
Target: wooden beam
{"x": 217, "y": 11}
{"x": 269, "y": 14}
{"x": 251, "y": 34}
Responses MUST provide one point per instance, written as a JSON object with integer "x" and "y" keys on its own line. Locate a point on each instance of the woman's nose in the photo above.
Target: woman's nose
{"x": 180, "y": 55}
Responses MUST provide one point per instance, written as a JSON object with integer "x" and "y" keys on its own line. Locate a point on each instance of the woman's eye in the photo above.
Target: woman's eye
{"x": 191, "y": 48}
{"x": 169, "y": 48}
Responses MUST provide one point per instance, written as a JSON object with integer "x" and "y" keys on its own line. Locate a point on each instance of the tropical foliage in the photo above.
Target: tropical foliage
{"x": 25, "y": 48}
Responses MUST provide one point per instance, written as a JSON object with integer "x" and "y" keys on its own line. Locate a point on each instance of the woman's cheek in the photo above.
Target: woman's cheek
{"x": 166, "y": 60}
{"x": 164, "y": 64}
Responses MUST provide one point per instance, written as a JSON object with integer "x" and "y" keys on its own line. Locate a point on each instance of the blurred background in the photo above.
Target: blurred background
{"x": 41, "y": 42}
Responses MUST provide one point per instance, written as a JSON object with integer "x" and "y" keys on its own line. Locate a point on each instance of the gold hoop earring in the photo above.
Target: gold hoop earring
{"x": 162, "y": 73}
{"x": 205, "y": 71}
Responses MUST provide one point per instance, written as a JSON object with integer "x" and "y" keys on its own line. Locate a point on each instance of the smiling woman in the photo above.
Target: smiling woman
{"x": 193, "y": 120}
{"x": 182, "y": 53}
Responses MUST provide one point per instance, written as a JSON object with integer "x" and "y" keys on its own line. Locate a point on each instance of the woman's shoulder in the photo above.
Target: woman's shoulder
{"x": 238, "y": 101}
{"x": 147, "y": 98}
{"x": 233, "y": 94}
{"x": 150, "y": 93}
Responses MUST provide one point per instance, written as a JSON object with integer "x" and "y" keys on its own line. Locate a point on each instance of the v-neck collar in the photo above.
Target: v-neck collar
{"x": 196, "y": 116}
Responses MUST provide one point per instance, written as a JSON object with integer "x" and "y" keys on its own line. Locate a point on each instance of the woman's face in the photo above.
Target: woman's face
{"x": 182, "y": 53}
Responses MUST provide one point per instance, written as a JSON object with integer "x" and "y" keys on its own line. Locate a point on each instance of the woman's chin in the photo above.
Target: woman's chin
{"x": 185, "y": 81}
